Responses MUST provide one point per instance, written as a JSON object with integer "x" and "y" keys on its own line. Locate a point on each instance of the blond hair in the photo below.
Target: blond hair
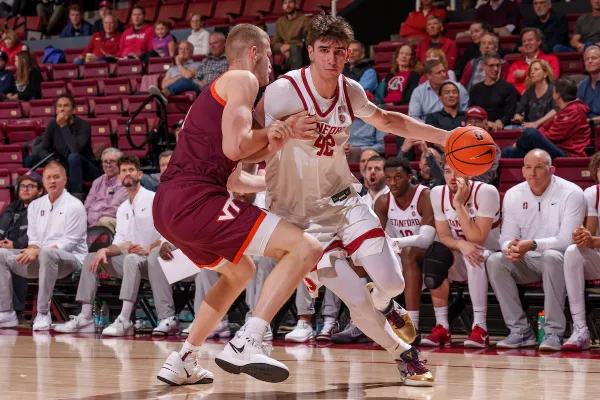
{"x": 545, "y": 67}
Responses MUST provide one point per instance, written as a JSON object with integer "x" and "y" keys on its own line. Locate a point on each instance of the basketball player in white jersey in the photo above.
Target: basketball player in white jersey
{"x": 582, "y": 262}
{"x": 406, "y": 215}
{"x": 467, "y": 221}
{"x": 311, "y": 185}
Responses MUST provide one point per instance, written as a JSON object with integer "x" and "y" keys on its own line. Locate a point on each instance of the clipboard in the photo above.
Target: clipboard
{"x": 179, "y": 268}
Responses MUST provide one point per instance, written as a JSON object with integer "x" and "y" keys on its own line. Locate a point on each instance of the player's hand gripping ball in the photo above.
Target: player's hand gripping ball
{"x": 470, "y": 151}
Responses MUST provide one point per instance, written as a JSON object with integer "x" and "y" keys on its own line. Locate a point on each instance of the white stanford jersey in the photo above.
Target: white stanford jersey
{"x": 592, "y": 198}
{"x": 484, "y": 201}
{"x": 304, "y": 175}
{"x": 404, "y": 222}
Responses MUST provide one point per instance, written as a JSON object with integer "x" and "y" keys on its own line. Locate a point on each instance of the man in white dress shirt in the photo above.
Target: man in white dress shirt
{"x": 57, "y": 227}
{"x": 539, "y": 217}
{"x": 133, "y": 255}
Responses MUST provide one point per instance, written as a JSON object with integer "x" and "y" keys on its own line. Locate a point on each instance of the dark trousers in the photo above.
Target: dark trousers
{"x": 79, "y": 168}
{"x": 531, "y": 139}
{"x": 19, "y": 292}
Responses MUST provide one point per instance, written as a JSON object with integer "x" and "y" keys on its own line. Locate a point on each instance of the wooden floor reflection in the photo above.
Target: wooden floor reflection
{"x": 45, "y": 366}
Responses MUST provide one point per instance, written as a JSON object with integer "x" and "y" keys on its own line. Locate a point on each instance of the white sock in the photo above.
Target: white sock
{"x": 364, "y": 280}
{"x": 381, "y": 301}
{"x": 414, "y": 315}
{"x": 397, "y": 349}
{"x": 188, "y": 350}
{"x": 256, "y": 329}
{"x": 578, "y": 314}
{"x": 441, "y": 316}
{"x": 126, "y": 310}
{"x": 87, "y": 311}
{"x": 479, "y": 317}
{"x": 329, "y": 320}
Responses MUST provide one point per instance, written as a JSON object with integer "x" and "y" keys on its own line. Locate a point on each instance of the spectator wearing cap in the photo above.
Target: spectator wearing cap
{"x": 7, "y": 78}
{"x": 103, "y": 46}
{"x": 532, "y": 41}
{"x": 106, "y": 9}
{"x": 199, "y": 37}
{"x": 589, "y": 90}
{"x": 13, "y": 233}
{"x": 503, "y": 15}
{"x": 425, "y": 99}
{"x": 449, "y": 117}
{"x": 476, "y": 116}
{"x": 566, "y": 135}
{"x": 76, "y": 26}
{"x": 415, "y": 24}
{"x": 51, "y": 13}
{"x": 107, "y": 193}
{"x": 496, "y": 96}
{"x": 435, "y": 29}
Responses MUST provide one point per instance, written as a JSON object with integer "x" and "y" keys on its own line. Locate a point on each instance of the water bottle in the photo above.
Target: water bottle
{"x": 104, "y": 315}
{"x": 541, "y": 332}
{"x": 96, "y": 314}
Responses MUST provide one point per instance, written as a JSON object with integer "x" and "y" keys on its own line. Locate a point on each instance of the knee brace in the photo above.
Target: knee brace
{"x": 438, "y": 260}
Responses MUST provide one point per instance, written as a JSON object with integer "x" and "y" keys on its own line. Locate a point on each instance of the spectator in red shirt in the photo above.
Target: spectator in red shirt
{"x": 532, "y": 40}
{"x": 12, "y": 45}
{"x": 103, "y": 46}
{"x": 435, "y": 28}
{"x": 136, "y": 41}
{"x": 565, "y": 135}
{"x": 414, "y": 26}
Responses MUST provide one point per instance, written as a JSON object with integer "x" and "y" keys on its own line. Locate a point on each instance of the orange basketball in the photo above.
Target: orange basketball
{"x": 470, "y": 151}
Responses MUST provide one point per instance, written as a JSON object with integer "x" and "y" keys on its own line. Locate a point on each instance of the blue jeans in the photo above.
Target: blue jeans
{"x": 182, "y": 85}
{"x": 561, "y": 48}
{"x": 80, "y": 168}
{"x": 532, "y": 139}
{"x": 82, "y": 60}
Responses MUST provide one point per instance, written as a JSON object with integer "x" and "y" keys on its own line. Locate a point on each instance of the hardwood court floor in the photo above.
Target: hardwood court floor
{"x": 47, "y": 366}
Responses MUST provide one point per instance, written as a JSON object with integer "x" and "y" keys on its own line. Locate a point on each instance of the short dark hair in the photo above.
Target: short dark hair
{"x": 447, "y": 83}
{"x": 129, "y": 159}
{"x": 75, "y": 7}
{"x": 566, "y": 88}
{"x": 166, "y": 153}
{"x": 399, "y": 162}
{"x": 328, "y": 27}
{"x": 431, "y": 64}
{"x": 539, "y": 35}
{"x": 375, "y": 158}
{"x": 65, "y": 96}
{"x": 438, "y": 19}
{"x": 362, "y": 46}
{"x": 142, "y": 9}
{"x": 490, "y": 55}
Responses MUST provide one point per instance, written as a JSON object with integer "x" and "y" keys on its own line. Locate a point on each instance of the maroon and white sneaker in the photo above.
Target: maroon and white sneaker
{"x": 330, "y": 327}
{"x": 579, "y": 340}
{"x": 439, "y": 337}
{"x": 478, "y": 339}
{"x": 413, "y": 371}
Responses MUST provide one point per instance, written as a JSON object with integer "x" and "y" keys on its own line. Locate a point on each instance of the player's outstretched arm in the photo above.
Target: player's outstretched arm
{"x": 243, "y": 182}
{"x": 402, "y": 125}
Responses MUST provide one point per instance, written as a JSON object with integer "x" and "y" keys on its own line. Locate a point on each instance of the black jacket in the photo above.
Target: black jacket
{"x": 357, "y": 71}
{"x": 556, "y": 30}
{"x": 7, "y": 81}
{"x": 76, "y": 138}
{"x": 13, "y": 224}
{"x": 33, "y": 89}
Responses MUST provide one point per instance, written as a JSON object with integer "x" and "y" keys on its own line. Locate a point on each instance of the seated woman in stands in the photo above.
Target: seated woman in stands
{"x": 28, "y": 78}
{"x": 402, "y": 79}
{"x": 12, "y": 45}
{"x": 536, "y": 106}
{"x": 438, "y": 54}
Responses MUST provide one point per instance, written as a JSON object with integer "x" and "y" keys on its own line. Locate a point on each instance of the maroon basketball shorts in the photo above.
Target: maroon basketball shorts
{"x": 209, "y": 226}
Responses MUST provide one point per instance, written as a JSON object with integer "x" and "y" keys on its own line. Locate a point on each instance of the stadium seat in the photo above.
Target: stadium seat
{"x": 572, "y": 18}
{"x": 205, "y": 7}
{"x": 312, "y": 7}
{"x": 84, "y": 87}
{"x": 254, "y": 10}
{"x": 110, "y": 105}
{"x": 390, "y": 146}
{"x": 43, "y": 109}
{"x": 126, "y": 148}
{"x": 198, "y": 57}
{"x": 570, "y": 63}
{"x": 152, "y": 8}
{"x": 159, "y": 65}
{"x": 122, "y": 14}
{"x": 355, "y": 169}
{"x": 5, "y": 178}
{"x": 128, "y": 67}
{"x": 98, "y": 69}
{"x": 575, "y": 170}
{"x": 115, "y": 86}
{"x": 72, "y": 54}
{"x": 21, "y": 133}
{"x": 505, "y": 138}
{"x": 65, "y": 72}
{"x": 11, "y": 110}
{"x": 225, "y": 12}
{"x": 82, "y": 107}
{"x": 511, "y": 173}
{"x": 179, "y": 104}
{"x": 11, "y": 158}
{"x": 138, "y": 126}
{"x": 133, "y": 102}
{"x": 172, "y": 11}
{"x": 101, "y": 132}
{"x": 453, "y": 28}
{"x": 51, "y": 90}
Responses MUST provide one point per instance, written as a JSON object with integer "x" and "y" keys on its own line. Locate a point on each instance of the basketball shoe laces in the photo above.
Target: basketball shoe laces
{"x": 395, "y": 318}
{"x": 416, "y": 367}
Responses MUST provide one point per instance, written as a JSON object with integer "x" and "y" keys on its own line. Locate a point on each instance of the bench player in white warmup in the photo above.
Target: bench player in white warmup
{"x": 311, "y": 185}
{"x": 467, "y": 221}
{"x": 406, "y": 215}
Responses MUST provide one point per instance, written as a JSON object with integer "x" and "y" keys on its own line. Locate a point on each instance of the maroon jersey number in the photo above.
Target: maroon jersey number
{"x": 325, "y": 145}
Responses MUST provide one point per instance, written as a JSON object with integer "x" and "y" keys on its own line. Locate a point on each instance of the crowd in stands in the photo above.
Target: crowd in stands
{"x": 429, "y": 77}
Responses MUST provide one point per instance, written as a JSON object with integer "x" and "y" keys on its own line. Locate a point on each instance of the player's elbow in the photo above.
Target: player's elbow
{"x": 234, "y": 153}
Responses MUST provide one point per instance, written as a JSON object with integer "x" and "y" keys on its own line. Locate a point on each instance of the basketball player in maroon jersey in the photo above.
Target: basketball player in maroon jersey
{"x": 193, "y": 211}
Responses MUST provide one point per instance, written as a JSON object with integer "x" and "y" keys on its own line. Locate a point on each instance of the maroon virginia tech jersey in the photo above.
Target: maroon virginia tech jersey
{"x": 199, "y": 152}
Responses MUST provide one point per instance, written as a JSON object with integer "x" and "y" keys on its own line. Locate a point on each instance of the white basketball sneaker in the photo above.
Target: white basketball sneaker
{"x": 302, "y": 333}
{"x": 176, "y": 371}
{"x": 42, "y": 322}
{"x": 8, "y": 319}
{"x": 268, "y": 337}
{"x": 187, "y": 330}
{"x": 246, "y": 355}
{"x": 120, "y": 327}
{"x": 77, "y": 324}
{"x": 222, "y": 330}
{"x": 167, "y": 326}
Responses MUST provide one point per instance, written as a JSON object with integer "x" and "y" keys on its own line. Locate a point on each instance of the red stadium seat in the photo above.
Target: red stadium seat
{"x": 355, "y": 169}
{"x": 111, "y": 105}
{"x": 82, "y": 107}
{"x": 172, "y": 11}
{"x": 152, "y": 8}
{"x": 10, "y": 110}
{"x": 100, "y": 126}
{"x": 225, "y": 12}
{"x": 506, "y": 138}
{"x": 71, "y": 55}
{"x": 5, "y": 178}
{"x": 198, "y": 57}
{"x": 84, "y": 87}
{"x": 572, "y": 18}
{"x": 453, "y": 28}
{"x": 128, "y": 67}
{"x": 21, "y": 133}
{"x": 43, "y": 109}
{"x": 51, "y": 90}
{"x": 511, "y": 173}
{"x": 115, "y": 86}
{"x": 65, "y": 72}
{"x": 254, "y": 10}
{"x": 570, "y": 63}
{"x": 390, "y": 146}
{"x": 126, "y": 148}
{"x": 205, "y": 7}
{"x": 122, "y": 14}
{"x": 311, "y": 7}
{"x": 575, "y": 170}
{"x": 11, "y": 158}
{"x": 159, "y": 65}
{"x": 138, "y": 126}
{"x": 179, "y": 104}
{"x": 133, "y": 102}
{"x": 98, "y": 69}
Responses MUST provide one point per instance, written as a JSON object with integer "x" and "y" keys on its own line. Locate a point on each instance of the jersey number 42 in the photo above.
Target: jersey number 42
{"x": 325, "y": 144}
